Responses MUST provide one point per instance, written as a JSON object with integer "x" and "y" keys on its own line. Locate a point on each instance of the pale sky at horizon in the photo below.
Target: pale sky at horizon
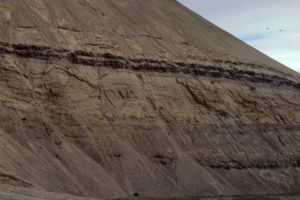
{"x": 271, "y": 26}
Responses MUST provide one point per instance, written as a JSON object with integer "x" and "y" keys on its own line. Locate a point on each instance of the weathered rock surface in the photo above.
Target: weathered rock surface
{"x": 121, "y": 98}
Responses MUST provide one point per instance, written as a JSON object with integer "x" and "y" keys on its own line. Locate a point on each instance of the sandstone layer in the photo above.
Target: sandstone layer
{"x": 118, "y": 99}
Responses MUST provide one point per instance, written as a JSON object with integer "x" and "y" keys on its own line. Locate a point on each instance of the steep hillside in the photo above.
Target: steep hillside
{"x": 141, "y": 99}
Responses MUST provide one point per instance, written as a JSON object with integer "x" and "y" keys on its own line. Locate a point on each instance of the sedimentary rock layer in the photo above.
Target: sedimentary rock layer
{"x": 140, "y": 99}
{"x": 147, "y": 64}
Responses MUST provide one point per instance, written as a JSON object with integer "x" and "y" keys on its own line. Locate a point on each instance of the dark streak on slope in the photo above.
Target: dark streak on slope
{"x": 6, "y": 178}
{"x": 144, "y": 64}
{"x": 255, "y": 164}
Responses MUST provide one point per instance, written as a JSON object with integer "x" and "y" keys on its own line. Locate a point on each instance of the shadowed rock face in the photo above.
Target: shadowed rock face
{"x": 118, "y": 99}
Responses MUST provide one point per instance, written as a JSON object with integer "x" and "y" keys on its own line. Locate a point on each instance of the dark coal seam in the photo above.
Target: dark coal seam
{"x": 236, "y": 197}
{"x": 143, "y": 64}
{"x": 286, "y": 194}
{"x": 292, "y": 163}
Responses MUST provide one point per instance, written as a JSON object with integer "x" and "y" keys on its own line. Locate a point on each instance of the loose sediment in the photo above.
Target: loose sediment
{"x": 140, "y": 99}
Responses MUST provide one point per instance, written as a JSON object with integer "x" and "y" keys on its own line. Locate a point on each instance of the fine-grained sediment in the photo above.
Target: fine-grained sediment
{"x": 107, "y": 99}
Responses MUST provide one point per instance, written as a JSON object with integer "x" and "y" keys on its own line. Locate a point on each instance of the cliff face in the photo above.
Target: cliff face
{"x": 122, "y": 98}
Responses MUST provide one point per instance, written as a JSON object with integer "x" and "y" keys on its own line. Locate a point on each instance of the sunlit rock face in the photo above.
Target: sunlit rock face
{"x": 112, "y": 99}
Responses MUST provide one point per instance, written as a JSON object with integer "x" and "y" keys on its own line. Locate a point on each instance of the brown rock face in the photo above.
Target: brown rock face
{"x": 140, "y": 98}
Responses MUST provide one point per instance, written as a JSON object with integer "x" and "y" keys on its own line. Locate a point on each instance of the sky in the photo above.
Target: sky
{"x": 271, "y": 26}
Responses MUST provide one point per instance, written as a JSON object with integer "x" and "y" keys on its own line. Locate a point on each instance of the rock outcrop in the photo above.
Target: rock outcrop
{"x": 141, "y": 99}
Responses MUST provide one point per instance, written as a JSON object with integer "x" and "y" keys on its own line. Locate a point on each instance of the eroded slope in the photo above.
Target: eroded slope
{"x": 102, "y": 103}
